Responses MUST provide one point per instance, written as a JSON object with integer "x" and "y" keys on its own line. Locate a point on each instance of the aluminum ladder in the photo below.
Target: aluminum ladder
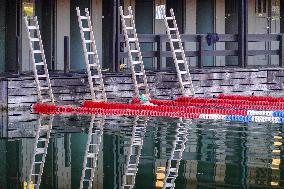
{"x": 40, "y": 150}
{"x": 92, "y": 150}
{"x": 134, "y": 153}
{"x": 178, "y": 54}
{"x": 95, "y": 77}
{"x": 134, "y": 53}
{"x": 176, "y": 155}
{"x": 44, "y": 90}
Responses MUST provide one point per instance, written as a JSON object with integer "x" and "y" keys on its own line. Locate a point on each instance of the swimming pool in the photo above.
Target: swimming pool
{"x": 167, "y": 152}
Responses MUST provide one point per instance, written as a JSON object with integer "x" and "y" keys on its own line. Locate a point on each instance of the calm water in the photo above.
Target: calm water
{"x": 169, "y": 153}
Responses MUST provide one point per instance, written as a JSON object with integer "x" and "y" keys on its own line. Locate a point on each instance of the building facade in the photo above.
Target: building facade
{"x": 63, "y": 46}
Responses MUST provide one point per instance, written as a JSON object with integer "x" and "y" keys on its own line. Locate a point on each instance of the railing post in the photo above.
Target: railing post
{"x": 281, "y": 50}
{"x": 243, "y": 33}
{"x": 201, "y": 51}
{"x": 66, "y": 54}
{"x": 159, "y": 49}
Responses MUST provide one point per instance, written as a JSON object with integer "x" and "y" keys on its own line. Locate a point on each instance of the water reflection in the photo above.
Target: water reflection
{"x": 137, "y": 152}
{"x": 40, "y": 146}
{"x": 92, "y": 149}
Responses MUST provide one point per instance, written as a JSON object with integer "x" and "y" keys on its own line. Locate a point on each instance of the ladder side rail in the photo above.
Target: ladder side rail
{"x": 173, "y": 53}
{"x": 181, "y": 138}
{"x": 34, "y": 150}
{"x": 130, "y": 57}
{"x": 45, "y": 147}
{"x": 186, "y": 66}
{"x": 96, "y": 55}
{"x": 86, "y": 56}
{"x": 86, "y": 153}
{"x": 37, "y": 181}
{"x": 33, "y": 60}
{"x": 147, "y": 91}
{"x": 138, "y": 133}
{"x": 90, "y": 149}
{"x": 44, "y": 61}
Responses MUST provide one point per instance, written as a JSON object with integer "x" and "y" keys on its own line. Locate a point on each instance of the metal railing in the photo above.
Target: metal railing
{"x": 201, "y": 52}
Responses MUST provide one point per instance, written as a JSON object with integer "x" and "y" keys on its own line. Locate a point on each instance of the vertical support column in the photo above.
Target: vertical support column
{"x": 116, "y": 32}
{"x": 243, "y": 33}
{"x": 159, "y": 50}
{"x": 201, "y": 41}
{"x": 281, "y": 50}
{"x": 281, "y": 43}
{"x": 66, "y": 54}
{"x": 281, "y": 16}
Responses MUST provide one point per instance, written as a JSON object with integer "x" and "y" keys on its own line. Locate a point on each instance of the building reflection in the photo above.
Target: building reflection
{"x": 218, "y": 154}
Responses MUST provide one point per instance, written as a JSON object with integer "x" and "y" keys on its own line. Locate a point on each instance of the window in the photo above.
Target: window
{"x": 160, "y": 10}
{"x": 261, "y": 7}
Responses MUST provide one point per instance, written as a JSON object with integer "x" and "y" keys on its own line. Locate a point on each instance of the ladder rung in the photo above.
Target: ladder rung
{"x": 134, "y": 51}
{"x": 178, "y": 51}
{"x": 34, "y": 39}
{"x": 172, "y": 29}
{"x": 93, "y": 65}
{"x": 89, "y": 53}
{"x": 42, "y": 139}
{"x": 83, "y": 17}
{"x": 37, "y": 51}
{"x": 136, "y": 62}
{"x": 140, "y": 85}
{"x": 35, "y": 174}
{"x": 180, "y": 61}
{"x": 41, "y": 76}
{"x": 32, "y": 27}
{"x": 175, "y": 40}
{"x": 93, "y": 144}
{"x": 187, "y": 83}
{"x": 39, "y": 64}
{"x": 90, "y": 155}
{"x": 140, "y": 73}
{"x": 132, "y": 39}
{"x": 96, "y": 77}
{"x": 88, "y": 41}
{"x": 98, "y": 88}
{"x": 44, "y": 88}
{"x": 183, "y": 72}
{"x": 87, "y": 180}
{"x": 170, "y": 18}
{"x": 39, "y": 162}
{"x": 86, "y": 29}
{"x": 129, "y": 28}
{"x": 127, "y": 16}
{"x": 40, "y": 150}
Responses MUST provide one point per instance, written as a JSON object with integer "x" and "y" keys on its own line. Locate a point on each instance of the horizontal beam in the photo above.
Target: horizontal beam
{"x": 152, "y": 38}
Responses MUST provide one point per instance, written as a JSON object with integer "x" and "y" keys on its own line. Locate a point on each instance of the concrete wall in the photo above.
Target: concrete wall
{"x": 26, "y": 54}
{"x": 97, "y": 13}
{"x": 62, "y": 29}
{"x": 220, "y": 29}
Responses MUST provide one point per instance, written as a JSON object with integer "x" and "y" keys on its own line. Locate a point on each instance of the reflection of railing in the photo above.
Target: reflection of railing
{"x": 92, "y": 151}
{"x": 134, "y": 153}
{"x": 201, "y": 53}
{"x": 40, "y": 150}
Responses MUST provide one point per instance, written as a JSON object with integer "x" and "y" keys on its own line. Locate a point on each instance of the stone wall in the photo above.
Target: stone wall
{"x": 20, "y": 92}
